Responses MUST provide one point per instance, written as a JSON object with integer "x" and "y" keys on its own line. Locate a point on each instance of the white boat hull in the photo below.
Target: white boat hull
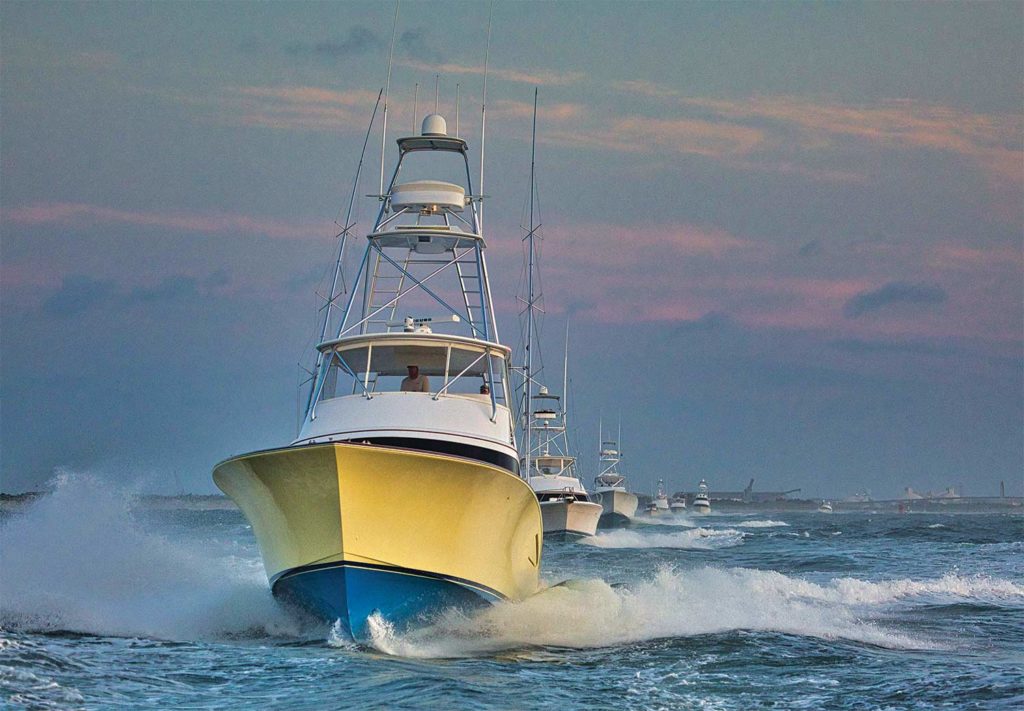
{"x": 570, "y": 519}
{"x": 701, "y": 508}
{"x": 618, "y": 507}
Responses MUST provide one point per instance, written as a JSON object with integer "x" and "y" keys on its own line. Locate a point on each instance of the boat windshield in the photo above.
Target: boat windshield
{"x": 442, "y": 368}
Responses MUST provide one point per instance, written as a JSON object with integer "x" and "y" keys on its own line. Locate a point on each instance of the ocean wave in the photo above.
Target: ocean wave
{"x": 767, "y": 523}
{"x": 691, "y": 539}
{"x": 592, "y": 613}
{"x": 76, "y": 560}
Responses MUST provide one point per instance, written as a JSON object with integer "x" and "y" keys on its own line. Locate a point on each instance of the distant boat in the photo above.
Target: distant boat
{"x": 566, "y": 507}
{"x": 661, "y": 498}
{"x": 610, "y": 487}
{"x": 545, "y": 458}
{"x": 677, "y": 504}
{"x": 825, "y": 507}
{"x": 702, "y": 501}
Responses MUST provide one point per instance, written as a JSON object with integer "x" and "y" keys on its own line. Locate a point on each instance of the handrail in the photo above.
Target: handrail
{"x": 451, "y": 382}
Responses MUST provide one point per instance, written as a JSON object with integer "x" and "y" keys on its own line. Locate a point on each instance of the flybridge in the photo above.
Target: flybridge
{"x": 424, "y": 255}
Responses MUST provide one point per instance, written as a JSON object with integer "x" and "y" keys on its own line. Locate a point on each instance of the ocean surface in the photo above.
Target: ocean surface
{"x": 104, "y": 605}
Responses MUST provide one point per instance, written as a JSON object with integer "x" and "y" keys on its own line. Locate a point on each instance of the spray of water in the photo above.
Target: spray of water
{"x": 691, "y": 539}
{"x": 591, "y": 613}
{"x": 78, "y": 560}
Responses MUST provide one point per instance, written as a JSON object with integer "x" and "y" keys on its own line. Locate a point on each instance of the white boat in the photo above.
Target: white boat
{"x": 702, "y": 500}
{"x": 401, "y": 495}
{"x": 677, "y": 504}
{"x": 610, "y": 487}
{"x": 826, "y": 507}
{"x": 565, "y": 505}
{"x": 661, "y": 498}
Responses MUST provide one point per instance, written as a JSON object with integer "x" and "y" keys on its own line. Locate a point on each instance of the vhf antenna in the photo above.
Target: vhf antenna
{"x": 387, "y": 89}
{"x": 483, "y": 115}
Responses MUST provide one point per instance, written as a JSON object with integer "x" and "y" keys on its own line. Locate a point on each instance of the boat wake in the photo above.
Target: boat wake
{"x": 768, "y": 523}
{"x": 77, "y": 560}
{"x": 675, "y": 603}
{"x": 691, "y": 539}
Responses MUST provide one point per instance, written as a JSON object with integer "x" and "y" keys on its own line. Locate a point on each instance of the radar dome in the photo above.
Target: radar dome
{"x": 435, "y": 125}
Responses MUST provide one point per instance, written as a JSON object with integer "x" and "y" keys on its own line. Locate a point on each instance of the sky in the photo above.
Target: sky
{"x": 787, "y": 237}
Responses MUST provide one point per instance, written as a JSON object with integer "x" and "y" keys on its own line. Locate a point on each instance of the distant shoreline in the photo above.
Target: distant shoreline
{"x": 972, "y": 504}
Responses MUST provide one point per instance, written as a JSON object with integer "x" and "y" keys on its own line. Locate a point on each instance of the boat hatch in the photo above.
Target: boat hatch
{"x": 368, "y": 366}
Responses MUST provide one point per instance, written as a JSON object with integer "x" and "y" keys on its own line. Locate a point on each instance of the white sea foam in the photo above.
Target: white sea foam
{"x": 674, "y": 520}
{"x": 77, "y": 560}
{"x": 591, "y": 613}
{"x": 768, "y": 523}
{"x": 691, "y": 539}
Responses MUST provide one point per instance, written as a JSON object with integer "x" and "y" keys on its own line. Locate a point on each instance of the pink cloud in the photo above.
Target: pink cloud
{"x": 992, "y": 141}
{"x": 691, "y": 136}
{"x": 558, "y": 112}
{"x": 537, "y": 78}
{"x": 77, "y": 213}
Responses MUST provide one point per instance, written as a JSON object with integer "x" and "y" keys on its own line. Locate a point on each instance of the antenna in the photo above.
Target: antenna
{"x": 457, "y": 110}
{"x": 437, "y": 84}
{"x": 387, "y": 89}
{"x": 415, "y": 106}
{"x": 565, "y": 378}
{"x": 483, "y": 114}
{"x": 530, "y": 296}
{"x": 343, "y": 236}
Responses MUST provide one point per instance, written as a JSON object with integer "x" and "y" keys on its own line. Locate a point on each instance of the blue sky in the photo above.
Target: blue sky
{"x": 788, "y": 235}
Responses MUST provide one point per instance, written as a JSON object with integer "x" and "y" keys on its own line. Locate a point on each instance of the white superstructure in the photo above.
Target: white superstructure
{"x": 610, "y": 486}
{"x": 702, "y": 500}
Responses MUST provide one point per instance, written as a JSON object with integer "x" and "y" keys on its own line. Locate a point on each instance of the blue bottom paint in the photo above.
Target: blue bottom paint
{"x": 351, "y": 594}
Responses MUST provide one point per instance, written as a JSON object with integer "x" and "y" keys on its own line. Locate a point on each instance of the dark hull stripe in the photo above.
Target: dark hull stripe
{"x": 387, "y": 569}
{"x": 438, "y": 446}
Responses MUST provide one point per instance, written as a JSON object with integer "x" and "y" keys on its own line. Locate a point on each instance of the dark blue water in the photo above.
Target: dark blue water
{"x": 104, "y": 605}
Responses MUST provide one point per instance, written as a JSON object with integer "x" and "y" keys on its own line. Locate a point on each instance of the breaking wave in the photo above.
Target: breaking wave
{"x": 77, "y": 560}
{"x": 592, "y": 613}
{"x": 768, "y": 523}
{"x": 691, "y": 539}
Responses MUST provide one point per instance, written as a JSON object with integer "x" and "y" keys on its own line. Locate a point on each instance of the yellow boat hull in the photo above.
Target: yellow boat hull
{"x": 347, "y": 530}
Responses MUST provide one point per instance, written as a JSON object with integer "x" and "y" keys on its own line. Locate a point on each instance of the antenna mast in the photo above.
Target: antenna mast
{"x": 528, "y": 368}
{"x": 343, "y": 237}
{"x": 387, "y": 89}
{"x": 415, "y": 106}
{"x": 483, "y": 116}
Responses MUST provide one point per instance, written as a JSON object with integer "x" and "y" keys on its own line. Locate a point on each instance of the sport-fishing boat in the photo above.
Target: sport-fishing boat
{"x": 619, "y": 506}
{"x": 677, "y": 504}
{"x": 702, "y": 500}
{"x": 565, "y": 505}
{"x": 826, "y": 507}
{"x": 661, "y": 498}
{"x": 401, "y": 495}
